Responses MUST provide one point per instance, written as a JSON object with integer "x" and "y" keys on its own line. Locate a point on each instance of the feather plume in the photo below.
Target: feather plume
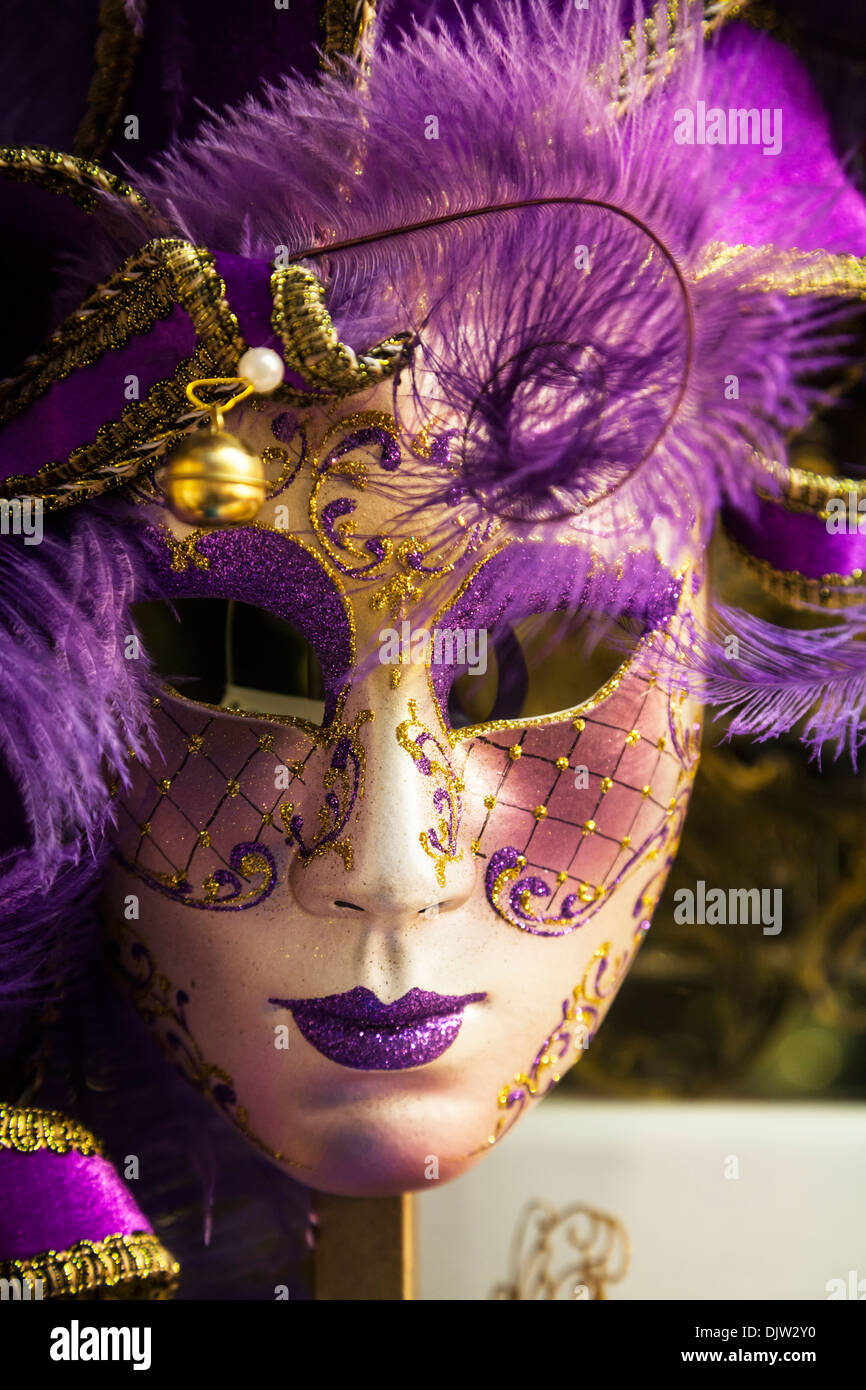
{"x": 767, "y": 680}
{"x": 72, "y": 705}
{"x": 513, "y": 193}
{"x": 593, "y": 379}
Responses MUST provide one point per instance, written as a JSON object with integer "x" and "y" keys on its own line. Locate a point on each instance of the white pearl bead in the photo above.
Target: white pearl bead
{"x": 263, "y": 367}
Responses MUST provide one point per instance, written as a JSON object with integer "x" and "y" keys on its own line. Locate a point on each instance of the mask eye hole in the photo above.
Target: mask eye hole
{"x": 543, "y": 664}
{"x": 233, "y": 655}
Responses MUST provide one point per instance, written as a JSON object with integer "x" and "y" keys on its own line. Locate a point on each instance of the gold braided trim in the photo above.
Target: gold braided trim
{"x": 803, "y": 491}
{"x": 646, "y": 61}
{"x": 26, "y": 1130}
{"x": 116, "y": 48}
{"x": 348, "y": 26}
{"x": 149, "y": 284}
{"x": 163, "y": 274}
{"x": 795, "y": 272}
{"x": 831, "y": 591}
{"x": 311, "y": 344}
{"x": 66, "y": 174}
{"x": 121, "y": 1266}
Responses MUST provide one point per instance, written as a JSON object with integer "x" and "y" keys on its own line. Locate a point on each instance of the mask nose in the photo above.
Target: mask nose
{"x": 410, "y": 853}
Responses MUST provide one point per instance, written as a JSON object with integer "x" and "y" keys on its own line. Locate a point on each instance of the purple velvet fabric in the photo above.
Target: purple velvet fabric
{"x": 71, "y": 411}
{"x": 50, "y": 1201}
{"x": 798, "y": 542}
{"x": 248, "y": 291}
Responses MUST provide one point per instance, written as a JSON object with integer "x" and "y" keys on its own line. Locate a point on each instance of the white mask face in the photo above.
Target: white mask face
{"x": 375, "y": 918}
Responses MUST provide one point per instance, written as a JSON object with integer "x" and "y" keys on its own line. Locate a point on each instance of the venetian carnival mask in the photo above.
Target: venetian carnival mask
{"x": 394, "y": 688}
{"x": 374, "y": 925}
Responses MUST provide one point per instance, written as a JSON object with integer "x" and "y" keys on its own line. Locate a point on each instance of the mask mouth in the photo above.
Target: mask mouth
{"x": 357, "y": 1030}
{"x": 360, "y": 1005}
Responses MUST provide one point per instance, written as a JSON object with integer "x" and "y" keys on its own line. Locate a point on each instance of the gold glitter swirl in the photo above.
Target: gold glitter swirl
{"x": 252, "y": 864}
{"x": 571, "y": 1033}
{"x": 156, "y": 999}
{"x": 440, "y": 844}
{"x": 349, "y": 785}
{"x": 184, "y": 550}
{"x": 395, "y": 564}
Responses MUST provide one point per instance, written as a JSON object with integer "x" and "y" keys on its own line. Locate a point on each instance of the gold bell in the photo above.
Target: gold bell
{"x": 210, "y": 478}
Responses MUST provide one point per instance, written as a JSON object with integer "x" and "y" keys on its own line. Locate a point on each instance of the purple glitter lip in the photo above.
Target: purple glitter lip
{"x": 357, "y": 1030}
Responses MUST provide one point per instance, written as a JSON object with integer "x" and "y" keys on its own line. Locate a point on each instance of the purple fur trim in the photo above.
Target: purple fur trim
{"x": 71, "y": 707}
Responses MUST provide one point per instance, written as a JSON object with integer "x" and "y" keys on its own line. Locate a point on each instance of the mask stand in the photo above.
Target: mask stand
{"x": 365, "y": 1248}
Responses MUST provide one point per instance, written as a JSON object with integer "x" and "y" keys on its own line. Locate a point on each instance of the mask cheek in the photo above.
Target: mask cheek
{"x": 565, "y": 813}
{"x": 205, "y": 821}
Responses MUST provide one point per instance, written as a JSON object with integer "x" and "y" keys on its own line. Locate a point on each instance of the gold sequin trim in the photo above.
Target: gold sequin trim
{"x": 146, "y": 288}
{"x": 120, "y": 1266}
{"x": 348, "y": 26}
{"x": 77, "y": 179}
{"x": 831, "y": 591}
{"x": 802, "y": 491}
{"x": 794, "y": 272}
{"x": 650, "y": 57}
{"x": 312, "y": 347}
{"x": 26, "y": 1130}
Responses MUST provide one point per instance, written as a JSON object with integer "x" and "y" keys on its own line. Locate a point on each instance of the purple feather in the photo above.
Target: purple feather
{"x": 71, "y": 707}
{"x": 768, "y": 679}
{"x": 603, "y": 385}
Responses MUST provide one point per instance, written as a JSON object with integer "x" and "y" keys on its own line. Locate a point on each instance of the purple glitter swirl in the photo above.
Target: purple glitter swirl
{"x": 375, "y": 546}
{"x": 516, "y": 915}
{"x": 232, "y": 878}
{"x": 362, "y": 439}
